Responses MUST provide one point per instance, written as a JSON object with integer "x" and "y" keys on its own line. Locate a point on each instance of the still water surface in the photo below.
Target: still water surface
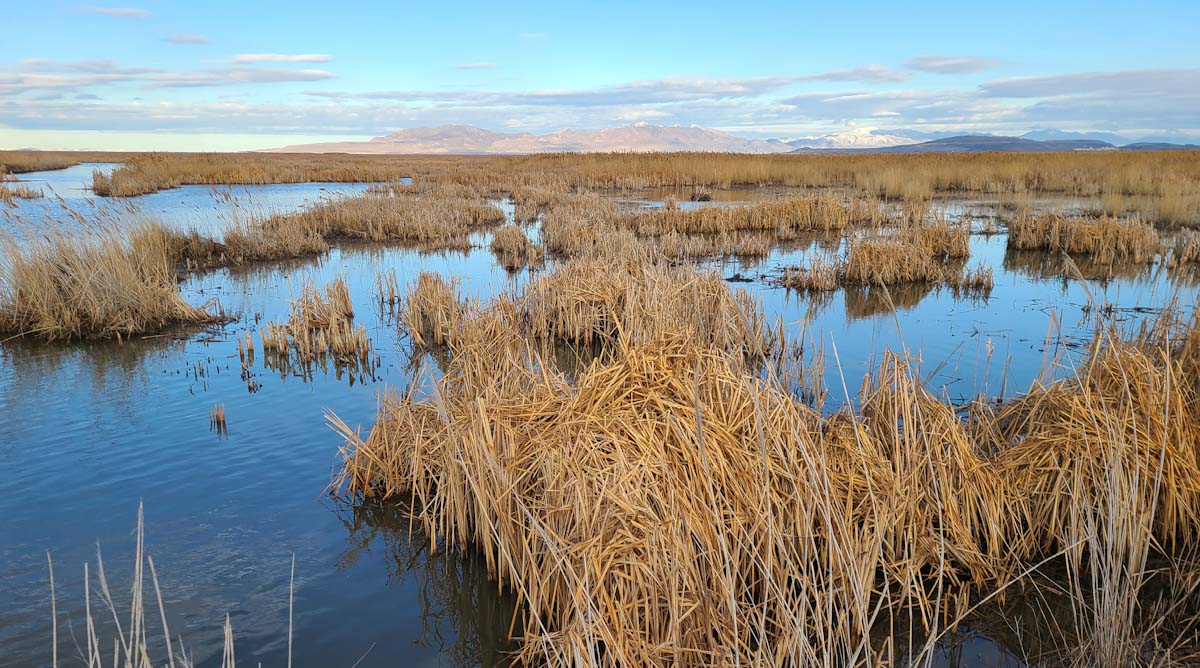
{"x": 92, "y": 430}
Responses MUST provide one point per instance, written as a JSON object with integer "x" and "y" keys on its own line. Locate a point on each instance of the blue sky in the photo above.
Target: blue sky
{"x": 222, "y": 75}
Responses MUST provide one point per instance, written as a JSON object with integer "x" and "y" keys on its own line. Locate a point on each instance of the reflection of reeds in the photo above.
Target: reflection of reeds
{"x": 462, "y": 612}
{"x": 1043, "y": 265}
{"x": 663, "y": 507}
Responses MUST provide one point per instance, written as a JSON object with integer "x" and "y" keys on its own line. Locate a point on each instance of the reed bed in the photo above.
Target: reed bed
{"x": 603, "y": 301}
{"x": 1107, "y": 239}
{"x": 665, "y": 507}
{"x": 820, "y": 274}
{"x": 782, "y": 217}
{"x": 1185, "y": 248}
{"x": 434, "y": 218}
{"x": 149, "y": 172}
{"x": 9, "y": 192}
{"x": 23, "y": 162}
{"x": 319, "y": 329}
{"x": 107, "y": 283}
{"x": 1158, "y": 185}
{"x": 433, "y": 310}
{"x": 514, "y": 250}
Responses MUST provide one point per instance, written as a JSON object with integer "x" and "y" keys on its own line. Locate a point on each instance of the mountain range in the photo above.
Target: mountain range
{"x": 646, "y": 138}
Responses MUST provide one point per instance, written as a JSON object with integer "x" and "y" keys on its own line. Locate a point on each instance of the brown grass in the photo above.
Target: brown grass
{"x": 1159, "y": 185}
{"x": 430, "y": 218}
{"x": 320, "y": 328}
{"x": 101, "y": 284}
{"x": 22, "y": 162}
{"x": 8, "y": 193}
{"x": 669, "y": 507}
{"x": 819, "y": 275}
{"x": 1107, "y": 239}
{"x": 433, "y": 310}
{"x": 514, "y": 250}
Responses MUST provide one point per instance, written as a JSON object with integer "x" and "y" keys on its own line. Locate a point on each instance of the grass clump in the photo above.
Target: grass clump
{"x": 8, "y": 193}
{"x": 514, "y": 250}
{"x": 819, "y": 275}
{"x": 1107, "y": 239}
{"x": 661, "y": 508}
{"x": 104, "y": 284}
{"x": 424, "y": 218}
{"x": 320, "y": 328}
{"x": 433, "y": 309}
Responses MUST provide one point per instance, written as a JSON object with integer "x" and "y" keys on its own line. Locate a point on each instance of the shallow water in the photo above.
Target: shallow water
{"x": 206, "y": 209}
{"x": 94, "y": 429}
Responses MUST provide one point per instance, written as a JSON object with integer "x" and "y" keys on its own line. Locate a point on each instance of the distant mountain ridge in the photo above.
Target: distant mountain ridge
{"x": 983, "y": 143}
{"x": 645, "y": 138}
{"x": 467, "y": 139}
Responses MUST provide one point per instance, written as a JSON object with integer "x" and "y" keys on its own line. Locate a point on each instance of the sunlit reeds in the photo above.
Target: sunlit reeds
{"x": 320, "y": 328}
{"x": 514, "y": 250}
{"x": 663, "y": 508}
{"x": 9, "y": 192}
{"x": 1106, "y": 239}
{"x": 433, "y": 309}
{"x": 106, "y": 283}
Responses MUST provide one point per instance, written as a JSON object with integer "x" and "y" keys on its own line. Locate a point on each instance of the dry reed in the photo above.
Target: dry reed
{"x": 666, "y": 506}
{"x": 514, "y": 250}
{"x": 1107, "y": 239}
{"x": 100, "y": 284}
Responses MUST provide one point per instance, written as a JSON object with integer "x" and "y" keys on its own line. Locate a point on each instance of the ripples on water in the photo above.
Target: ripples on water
{"x": 91, "y": 429}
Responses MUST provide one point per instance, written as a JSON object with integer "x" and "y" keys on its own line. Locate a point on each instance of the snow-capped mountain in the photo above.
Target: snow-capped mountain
{"x": 852, "y": 138}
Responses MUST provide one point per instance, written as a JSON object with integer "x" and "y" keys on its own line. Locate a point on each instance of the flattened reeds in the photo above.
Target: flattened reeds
{"x": 668, "y": 507}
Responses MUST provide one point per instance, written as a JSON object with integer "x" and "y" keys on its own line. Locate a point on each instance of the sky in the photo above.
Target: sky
{"x": 218, "y": 75}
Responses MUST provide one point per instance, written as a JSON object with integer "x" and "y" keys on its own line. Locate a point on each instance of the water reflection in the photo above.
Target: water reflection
{"x": 464, "y": 615}
{"x": 92, "y": 428}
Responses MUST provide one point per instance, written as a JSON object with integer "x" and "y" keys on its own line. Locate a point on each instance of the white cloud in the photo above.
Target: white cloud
{"x": 281, "y": 58}
{"x": 1154, "y": 82}
{"x": 871, "y": 73}
{"x": 948, "y": 64}
{"x": 187, "y": 38}
{"x": 474, "y": 66}
{"x": 39, "y": 75}
{"x": 234, "y": 75}
{"x": 124, "y": 12}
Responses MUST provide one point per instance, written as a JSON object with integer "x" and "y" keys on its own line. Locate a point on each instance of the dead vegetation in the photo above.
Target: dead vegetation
{"x": 9, "y": 192}
{"x": 660, "y": 509}
{"x": 1106, "y": 239}
{"x": 514, "y": 250}
{"x": 320, "y": 330}
{"x": 108, "y": 283}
